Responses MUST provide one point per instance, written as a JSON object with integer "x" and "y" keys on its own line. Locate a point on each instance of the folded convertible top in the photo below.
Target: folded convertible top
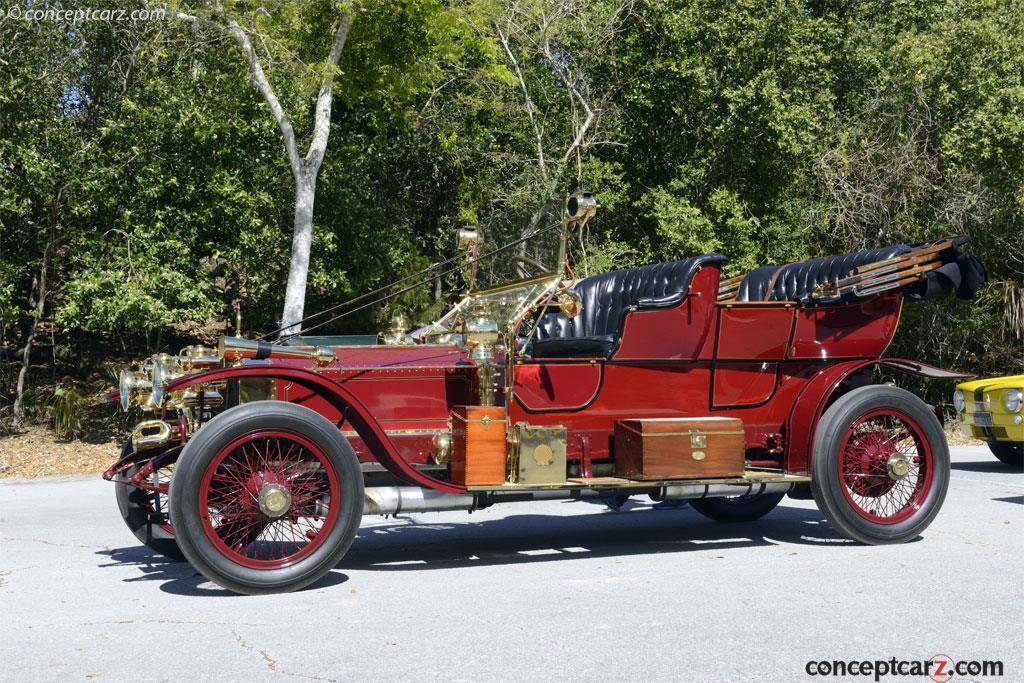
{"x": 924, "y": 271}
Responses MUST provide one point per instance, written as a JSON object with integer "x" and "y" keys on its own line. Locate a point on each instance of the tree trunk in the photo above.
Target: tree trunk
{"x": 302, "y": 239}
{"x": 26, "y": 359}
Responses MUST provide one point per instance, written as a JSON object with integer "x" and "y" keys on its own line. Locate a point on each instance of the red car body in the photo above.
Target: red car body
{"x": 792, "y": 371}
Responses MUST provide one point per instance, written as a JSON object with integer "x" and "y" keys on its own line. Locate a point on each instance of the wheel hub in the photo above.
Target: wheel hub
{"x": 871, "y": 454}
{"x": 274, "y": 500}
{"x": 898, "y": 466}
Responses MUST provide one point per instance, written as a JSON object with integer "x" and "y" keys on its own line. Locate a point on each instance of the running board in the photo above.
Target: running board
{"x": 750, "y": 477}
{"x": 390, "y": 500}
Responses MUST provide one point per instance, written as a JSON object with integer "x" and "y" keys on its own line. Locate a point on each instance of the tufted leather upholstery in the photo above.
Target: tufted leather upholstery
{"x": 798, "y": 280}
{"x": 606, "y": 300}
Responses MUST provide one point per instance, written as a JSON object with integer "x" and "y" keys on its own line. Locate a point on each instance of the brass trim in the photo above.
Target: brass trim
{"x": 516, "y": 284}
{"x": 484, "y": 420}
{"x": 690, "y": 432}
{"x": 142, "y": 441}
{"x": 399, "y": 432}
{"x": 371, "y": 368}
{"x": 751, "y": 477}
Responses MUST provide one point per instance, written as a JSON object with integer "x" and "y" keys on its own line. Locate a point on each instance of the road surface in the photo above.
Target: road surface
{"x": 533, "y": 591}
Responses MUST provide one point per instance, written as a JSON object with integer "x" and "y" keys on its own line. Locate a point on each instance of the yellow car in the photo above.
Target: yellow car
{"x": 991, "y": 409}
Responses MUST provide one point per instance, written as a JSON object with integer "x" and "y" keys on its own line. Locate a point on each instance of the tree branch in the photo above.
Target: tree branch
{"x": 322, "y": 125}
{"x": 262, "y": 84}
{"x": 527, "y": 100}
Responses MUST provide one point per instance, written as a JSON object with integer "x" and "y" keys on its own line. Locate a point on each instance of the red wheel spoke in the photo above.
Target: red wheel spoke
{"x": 249, "y": 468}
{"x": 872, "y": 443}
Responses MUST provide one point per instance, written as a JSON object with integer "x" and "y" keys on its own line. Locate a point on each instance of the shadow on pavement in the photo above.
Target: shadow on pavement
{"x": 975, "y": 466}
{"x": 407, "y": 544}
{"x": 179, "y": 578}
{"x": 1019, "y": 499}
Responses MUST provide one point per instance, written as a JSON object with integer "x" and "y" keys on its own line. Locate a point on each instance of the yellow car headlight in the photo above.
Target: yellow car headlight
{"x": 1013, "y": 400}
{"x": 958, "y": 401}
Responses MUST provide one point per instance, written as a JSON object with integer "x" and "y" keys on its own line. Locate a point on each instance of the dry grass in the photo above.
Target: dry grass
{"x": 36, "y": 452}
{"x": 956, "y": 437}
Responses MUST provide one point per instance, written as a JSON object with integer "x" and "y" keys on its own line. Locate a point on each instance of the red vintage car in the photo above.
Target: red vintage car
{"x": 662, "y": 380}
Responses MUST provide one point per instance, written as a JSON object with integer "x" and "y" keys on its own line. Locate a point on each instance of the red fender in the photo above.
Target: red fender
{"x": 810, "y": 404}
{"x": 344, "y": 401}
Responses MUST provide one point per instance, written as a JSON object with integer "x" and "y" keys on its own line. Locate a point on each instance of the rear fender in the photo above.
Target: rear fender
{"x": 347, "y": 404}
{"x": 824, "y": 387}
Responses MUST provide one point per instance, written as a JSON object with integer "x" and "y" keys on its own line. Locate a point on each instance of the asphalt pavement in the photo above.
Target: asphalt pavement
{"x": 537, "y": 591}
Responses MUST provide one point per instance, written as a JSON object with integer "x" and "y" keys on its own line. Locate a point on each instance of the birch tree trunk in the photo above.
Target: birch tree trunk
{"x": 305, "y": 169}
{"x": 302, "y": 241}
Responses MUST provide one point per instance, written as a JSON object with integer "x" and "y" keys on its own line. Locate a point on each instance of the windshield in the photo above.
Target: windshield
{"x": 538, "y": 253}
{"x": 506, "y": 285}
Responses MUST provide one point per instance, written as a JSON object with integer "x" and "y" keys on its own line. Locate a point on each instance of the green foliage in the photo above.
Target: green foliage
{"x": 769, "y": 132}
{"x": 63, "y": 409}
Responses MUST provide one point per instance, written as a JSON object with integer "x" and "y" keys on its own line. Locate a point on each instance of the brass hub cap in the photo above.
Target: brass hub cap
{"x": 898, "y": 466}
{"x": 274, "y": 500}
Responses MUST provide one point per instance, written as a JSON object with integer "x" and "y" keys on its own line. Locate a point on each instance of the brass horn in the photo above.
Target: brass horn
{"x": 237, "y": 349}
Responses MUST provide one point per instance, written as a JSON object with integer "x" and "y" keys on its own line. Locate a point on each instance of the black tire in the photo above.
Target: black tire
{"x": 829, "y": 490}
{"x": 737, "y": 508}
{"x": 1008, "y": 452}
{"x": 137, "y": 510}
{"x": 200, "y": 453}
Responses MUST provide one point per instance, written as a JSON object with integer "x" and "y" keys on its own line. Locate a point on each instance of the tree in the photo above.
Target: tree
{"x": 305, "y": 167}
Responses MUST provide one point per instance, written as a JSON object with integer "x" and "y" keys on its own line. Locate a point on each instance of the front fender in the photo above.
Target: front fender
{"x": 818, "y": 393}
{"x": 346, "y": 403}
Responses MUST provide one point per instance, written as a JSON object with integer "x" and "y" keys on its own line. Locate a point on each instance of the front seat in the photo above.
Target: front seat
{"x": 607, "y": 297}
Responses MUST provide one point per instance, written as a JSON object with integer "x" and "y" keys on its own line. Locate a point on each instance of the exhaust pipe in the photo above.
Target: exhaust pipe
{"x": 685, "y": 491}
{"x": 392, "y": 500}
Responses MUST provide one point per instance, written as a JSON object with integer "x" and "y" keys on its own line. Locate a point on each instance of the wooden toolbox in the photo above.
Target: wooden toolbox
{"x": 478, "y": 445}
{"x": 680, "y": 448}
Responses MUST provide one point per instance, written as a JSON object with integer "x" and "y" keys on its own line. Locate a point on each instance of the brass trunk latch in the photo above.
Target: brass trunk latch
{"x": 698, "y": 440}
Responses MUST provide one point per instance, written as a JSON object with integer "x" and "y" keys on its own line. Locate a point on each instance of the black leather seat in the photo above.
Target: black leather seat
{"x": 606, "y": 300}
{"x": 798, "y": 280}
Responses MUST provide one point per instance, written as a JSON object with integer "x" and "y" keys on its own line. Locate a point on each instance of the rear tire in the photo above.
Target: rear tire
{"x": 266, "y": 498}
{"x": 737, "y": 508}
{"x": 1008, "y": 452}
{"x": 880, "y": 465}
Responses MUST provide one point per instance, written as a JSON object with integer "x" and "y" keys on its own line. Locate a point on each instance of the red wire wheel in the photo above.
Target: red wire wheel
{"x": 266, "y": 497}
{"x": 885, "y": 466}
{"x": 270, "y": 498}
{"x": 880, "y": 465}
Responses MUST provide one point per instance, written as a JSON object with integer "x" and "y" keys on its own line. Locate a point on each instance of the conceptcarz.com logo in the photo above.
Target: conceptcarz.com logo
{"x": 940, "y": 668}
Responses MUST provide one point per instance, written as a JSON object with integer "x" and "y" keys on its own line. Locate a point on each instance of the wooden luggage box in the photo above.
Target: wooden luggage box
{"x": 478, "y": 445}
{"x": 680, "y": 448}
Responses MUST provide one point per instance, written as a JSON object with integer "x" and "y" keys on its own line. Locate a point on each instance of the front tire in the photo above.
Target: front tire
{"x": 1008, "y": 452}
{"x": 145, "y": 512}
{"x": 737, "y": 508}
{"x": 266, "y": 498}
{"x": 880, "y": 465}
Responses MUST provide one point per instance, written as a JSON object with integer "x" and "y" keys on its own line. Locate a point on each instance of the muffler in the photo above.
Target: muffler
{"x": 391, "y": 500}
{"x": 683, "y": 491}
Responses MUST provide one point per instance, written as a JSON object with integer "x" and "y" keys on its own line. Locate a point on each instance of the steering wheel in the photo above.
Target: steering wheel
{"x": 521, "y": 261}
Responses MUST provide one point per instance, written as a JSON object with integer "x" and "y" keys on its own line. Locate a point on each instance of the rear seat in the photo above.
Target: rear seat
{"x": 798, "y": 280}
